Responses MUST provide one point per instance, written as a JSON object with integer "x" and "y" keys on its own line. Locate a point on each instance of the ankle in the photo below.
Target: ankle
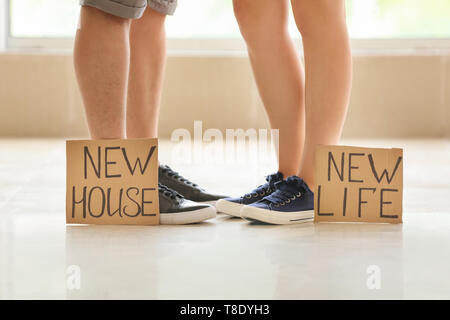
{"x": 310, "y": 183}
{"x": 287, "y": 172}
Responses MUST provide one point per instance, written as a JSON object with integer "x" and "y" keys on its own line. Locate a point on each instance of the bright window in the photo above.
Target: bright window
{"x": 43, "y": 18}
{"x": 399, "y": 18}
{"x": 214, "y": 19}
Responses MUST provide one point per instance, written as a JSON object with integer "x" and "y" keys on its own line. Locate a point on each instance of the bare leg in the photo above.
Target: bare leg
{"x": 278, "y": 73}
{"x": 101, "y": 58}
{"x": 328, "y": 67}
{"x": 147, "y": 64}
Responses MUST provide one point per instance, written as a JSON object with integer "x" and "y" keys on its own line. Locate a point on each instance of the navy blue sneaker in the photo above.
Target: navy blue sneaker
{"x": 232, "y": 206}
{"x": 291, "y": 202}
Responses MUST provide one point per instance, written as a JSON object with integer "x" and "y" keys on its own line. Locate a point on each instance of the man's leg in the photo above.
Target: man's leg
{"x": 148, "y": 60}
{"x": 102, "y": 66}
{"x": 328, "y": 67}
{"x": 278, "y": 73}
{"x": 147, "y": 64}
{"x": 101, "y": 58}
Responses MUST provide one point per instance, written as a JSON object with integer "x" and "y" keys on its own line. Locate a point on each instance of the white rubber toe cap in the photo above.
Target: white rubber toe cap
{"x": 188, "y": 217}
{"x": 228, "y": 207}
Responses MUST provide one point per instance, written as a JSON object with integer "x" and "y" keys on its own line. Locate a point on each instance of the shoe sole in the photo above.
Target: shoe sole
{"x": 211, "y": 203}
{"x": 188, "y": 217}
{"x": 274, "y": 217}
{"x": 230, "y": 208}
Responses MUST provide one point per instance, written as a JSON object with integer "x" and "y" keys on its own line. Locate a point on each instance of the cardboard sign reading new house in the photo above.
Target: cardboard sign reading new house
{"x": 112, "y": 182}
{"x": 356, "y": 184}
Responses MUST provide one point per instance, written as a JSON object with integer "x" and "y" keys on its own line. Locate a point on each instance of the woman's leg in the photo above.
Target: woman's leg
{"x": 328, "y": 67}
{"x": 101, "y": 58}
{"x": 147, "y": 63}
{"x": 278, "y": 72}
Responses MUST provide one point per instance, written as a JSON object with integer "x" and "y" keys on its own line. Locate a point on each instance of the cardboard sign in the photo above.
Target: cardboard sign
{"x": 358, "y": 184}
{"x": 112, "y": 182}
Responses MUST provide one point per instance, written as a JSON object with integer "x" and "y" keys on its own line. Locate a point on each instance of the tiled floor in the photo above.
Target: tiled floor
{"x": 225, "y": 258}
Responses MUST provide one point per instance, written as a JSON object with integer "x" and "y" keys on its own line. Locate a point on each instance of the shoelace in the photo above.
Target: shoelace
{"x": 283, "y": 194}
{"x": 264, "y": 189}
{"x": 169, "y": 193}
{"x": 281, "y": 198}
{"x": 261, "y": 190}
{"x": 173, "y": 174}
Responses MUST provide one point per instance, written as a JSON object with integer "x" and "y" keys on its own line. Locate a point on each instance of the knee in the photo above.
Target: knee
{"x": 152, "y": 23}
{"x": 93, "y": 16}
{"x": 152, "y": 18}
{"x": 247, "y": 20}
{"x": 315, "y": 17}
{"x": 257, "y": 24}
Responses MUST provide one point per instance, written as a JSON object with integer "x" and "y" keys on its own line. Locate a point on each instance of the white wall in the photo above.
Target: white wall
{"x": 393, "y": 96}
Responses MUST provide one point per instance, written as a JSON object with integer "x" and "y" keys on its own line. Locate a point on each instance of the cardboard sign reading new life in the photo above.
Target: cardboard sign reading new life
{"x": 358, "y": 184}
{"x": 112, "y": 182}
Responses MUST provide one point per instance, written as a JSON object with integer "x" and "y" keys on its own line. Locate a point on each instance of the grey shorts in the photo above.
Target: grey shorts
{"x": 131, "y": 9}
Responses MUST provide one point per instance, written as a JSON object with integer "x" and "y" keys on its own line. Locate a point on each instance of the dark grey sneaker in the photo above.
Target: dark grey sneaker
{"x": 232, "y": 206}
{"x": 186, "y": 188}
{"x": 175, "y": 209}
